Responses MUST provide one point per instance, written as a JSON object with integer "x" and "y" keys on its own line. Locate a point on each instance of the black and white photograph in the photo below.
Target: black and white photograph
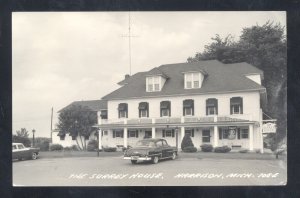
{"x": 136, "y": 98}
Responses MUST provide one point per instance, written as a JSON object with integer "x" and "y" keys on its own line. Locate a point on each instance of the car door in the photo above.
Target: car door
{"x": 14, "y": 152}
{"x": 159, "y": 147}
{"x": 167, "y": 150}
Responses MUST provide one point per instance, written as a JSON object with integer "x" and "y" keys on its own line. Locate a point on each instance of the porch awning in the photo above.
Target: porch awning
{"x": 122, "y": 107}
{"x": 236, "y": 101}
{"x": 212, "y": 102}
{"x": 143, "y": 105}
{"x": 188, "y": 103}
{"x": 165, "y": 105}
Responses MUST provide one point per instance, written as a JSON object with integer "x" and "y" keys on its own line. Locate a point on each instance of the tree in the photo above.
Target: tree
{"x": 264, "y": 47}
{"x": 187, "y": 144}
{"x": 22, "y": 133}
{"x": 22, "y": 137}
{"x": 77, "y": 121}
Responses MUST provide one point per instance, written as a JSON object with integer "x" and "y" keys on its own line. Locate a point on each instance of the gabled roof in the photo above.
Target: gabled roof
{"x": 93, "y": 105}
{"x": 156, "y": 72}
{"x": 220, "y": 78}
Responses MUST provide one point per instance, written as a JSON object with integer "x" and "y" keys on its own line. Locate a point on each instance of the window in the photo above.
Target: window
{"x": 118, "y": 133}
{"x": 159, "y": 144}
{"x": 14, "y": 147}
{"x": 192, "y": 80}
{"x": 165, "y": 108}
{"x": 168, "y": 133}
{"x": 143, "y": 110}
{"x": 211, "y": 106}
{"x": 62, "y": 137}
{"x": 188, "y": 107}
{"x": 236, "y": 105}
{"x": 244, "y": 133}
{"x": 105, "y": 132}
{"x": 148, "y": 134}
{"x": 20, "y": 146}
{"x": 133, "y": 134}
{"x": 190, "y": 132}
{"x": 153, "y": 83}
{"x": 206, "y": 136}
{"x": 123, "y": 110}
{"x": 103, "y": 114}
{"x": 164, "y": 143}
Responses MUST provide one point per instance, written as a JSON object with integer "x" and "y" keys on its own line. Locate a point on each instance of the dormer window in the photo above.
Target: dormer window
{"x": 193, "y": 80}
{"x": 153, "y": 83}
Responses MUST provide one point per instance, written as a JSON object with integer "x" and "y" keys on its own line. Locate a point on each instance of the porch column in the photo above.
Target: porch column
{"x": 182, "y": 135}
{"x": 153, "y": 132}
{"x": 215, "y": 136}
{"x": 251, "y": 137}
{"x": 125, "y": 137}
{"x": 99, "y": 139}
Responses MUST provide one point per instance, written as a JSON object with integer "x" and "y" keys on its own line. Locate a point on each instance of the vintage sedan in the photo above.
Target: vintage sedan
{"x": 150, "y": 150}
{"x": 19, "y": 151}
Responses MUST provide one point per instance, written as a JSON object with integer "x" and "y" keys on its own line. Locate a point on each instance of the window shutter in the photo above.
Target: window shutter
{"x": 137, "y": 133}
{"x": 114, "y": 134}
{"x": 140, "y": 113}
{"x": 101, "y": 133}
{"x": 238, "y": 133}
{"x": 241, "y": 105}
{"x": 230, "y": 109}
{"x": 170, "y": 110}
{"x": 127, "y": 113}
{"x": 163, "y": 133}
{"x": 122, "y": 134}
{"x": 220, "y": 134}
{"x": 173, "y": 134}
{"x": 192, "y": 132}
{"x": 148, "y": 110}
{"x": 206, "y": 110}
{"x": 128, "y": 134}
{"x": 217, "y": 107}
{"x": 183, "y": 111}
{"x": 193, "y": 110}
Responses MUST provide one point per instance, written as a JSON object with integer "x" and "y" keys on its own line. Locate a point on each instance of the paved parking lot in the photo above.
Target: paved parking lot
{"x": 114, "y": 171}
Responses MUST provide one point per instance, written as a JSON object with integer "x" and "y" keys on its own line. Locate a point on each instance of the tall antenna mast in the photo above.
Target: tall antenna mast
{"x": 129, "y": 40}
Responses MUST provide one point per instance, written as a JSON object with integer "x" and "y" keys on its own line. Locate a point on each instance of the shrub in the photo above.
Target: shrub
{"x": 67, "y": 148}
{"x": 92, "y": 145}
{"x": 110, "y": 149}
{"x": 189, "y": 149}
{"x": 257, "y": 151}
{"x": 44, "y": 145}
{"x": 243, "y": 151}
{"x": 222, "y": 149}
{"x": 74, "y": 147}
{"x": 186, "y": 141}
{"x": 56, "y": 147}
{"x": 206, "y": 147}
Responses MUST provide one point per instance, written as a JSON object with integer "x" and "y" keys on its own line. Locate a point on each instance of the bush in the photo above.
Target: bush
{"x": 67, "y": 148}
{"x": 222, "y": 149}
{"x": 92, "y": 145}
{"x": 56, "y": 147}
{"x": 44, "y": 146}
{"x": 206, "y": 147}
{"x": 74, "y": 147}
{"x": 189, "y": 149}
{"x": 110, "y": 149}
{"x": 186, "y": 142}
{"x": 243, "y": 151}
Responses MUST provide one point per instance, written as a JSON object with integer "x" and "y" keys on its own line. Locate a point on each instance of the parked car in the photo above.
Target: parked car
{"x": 20, "y": 152}
{"x": 150, "y": 150}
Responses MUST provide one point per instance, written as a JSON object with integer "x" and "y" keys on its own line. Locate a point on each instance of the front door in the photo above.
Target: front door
{"x": 206, "y": 136}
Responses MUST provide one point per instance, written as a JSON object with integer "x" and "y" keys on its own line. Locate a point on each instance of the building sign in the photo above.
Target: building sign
{"x": 269, "y": 128}
{"x": 232, "y": 132}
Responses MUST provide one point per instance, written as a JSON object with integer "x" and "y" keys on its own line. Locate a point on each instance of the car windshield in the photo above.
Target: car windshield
{"x": 145, "y": 143}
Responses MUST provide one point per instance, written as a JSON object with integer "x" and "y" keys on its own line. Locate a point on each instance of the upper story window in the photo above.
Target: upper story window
{"x": 123, "y": 110}
{"x": 103, "y": 114}
{"x": 236, "y": 105}
{"x": 188, "y": 107}
{"x": 192, "y": 80}
{"x": 165, "y": 108}
{"x": 153, "y": 83}
{"x": 143, "y": 110}
{"x": 211, "y": 106}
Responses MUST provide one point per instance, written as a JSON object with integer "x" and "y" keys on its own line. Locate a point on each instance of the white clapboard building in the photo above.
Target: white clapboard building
{"x": 216, "y": 103}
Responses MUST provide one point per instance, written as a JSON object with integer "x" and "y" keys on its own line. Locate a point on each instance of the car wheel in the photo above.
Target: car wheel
{"x": 173, "y": 156}
{"x": 34, "y": 156}
{"x": 155, "y": 160}
{"x": 133, "y": 161}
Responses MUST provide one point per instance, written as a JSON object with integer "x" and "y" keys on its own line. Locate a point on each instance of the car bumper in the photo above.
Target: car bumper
{"x": 138, "y": 158}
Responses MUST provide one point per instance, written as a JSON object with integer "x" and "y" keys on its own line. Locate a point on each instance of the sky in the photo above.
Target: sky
{"x": 61, "y": 57}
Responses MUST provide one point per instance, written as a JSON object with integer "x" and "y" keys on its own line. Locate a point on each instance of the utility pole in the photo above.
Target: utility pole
{"x": 51, "y": 125}
{"x": 129, "y": 40}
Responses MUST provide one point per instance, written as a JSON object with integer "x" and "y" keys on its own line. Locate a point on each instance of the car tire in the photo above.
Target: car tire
{"x": 155, "y": 160}
{"x": 133, "y": 161}
{"x": 174, "y": 155}
{"x": 33, "y": 156}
